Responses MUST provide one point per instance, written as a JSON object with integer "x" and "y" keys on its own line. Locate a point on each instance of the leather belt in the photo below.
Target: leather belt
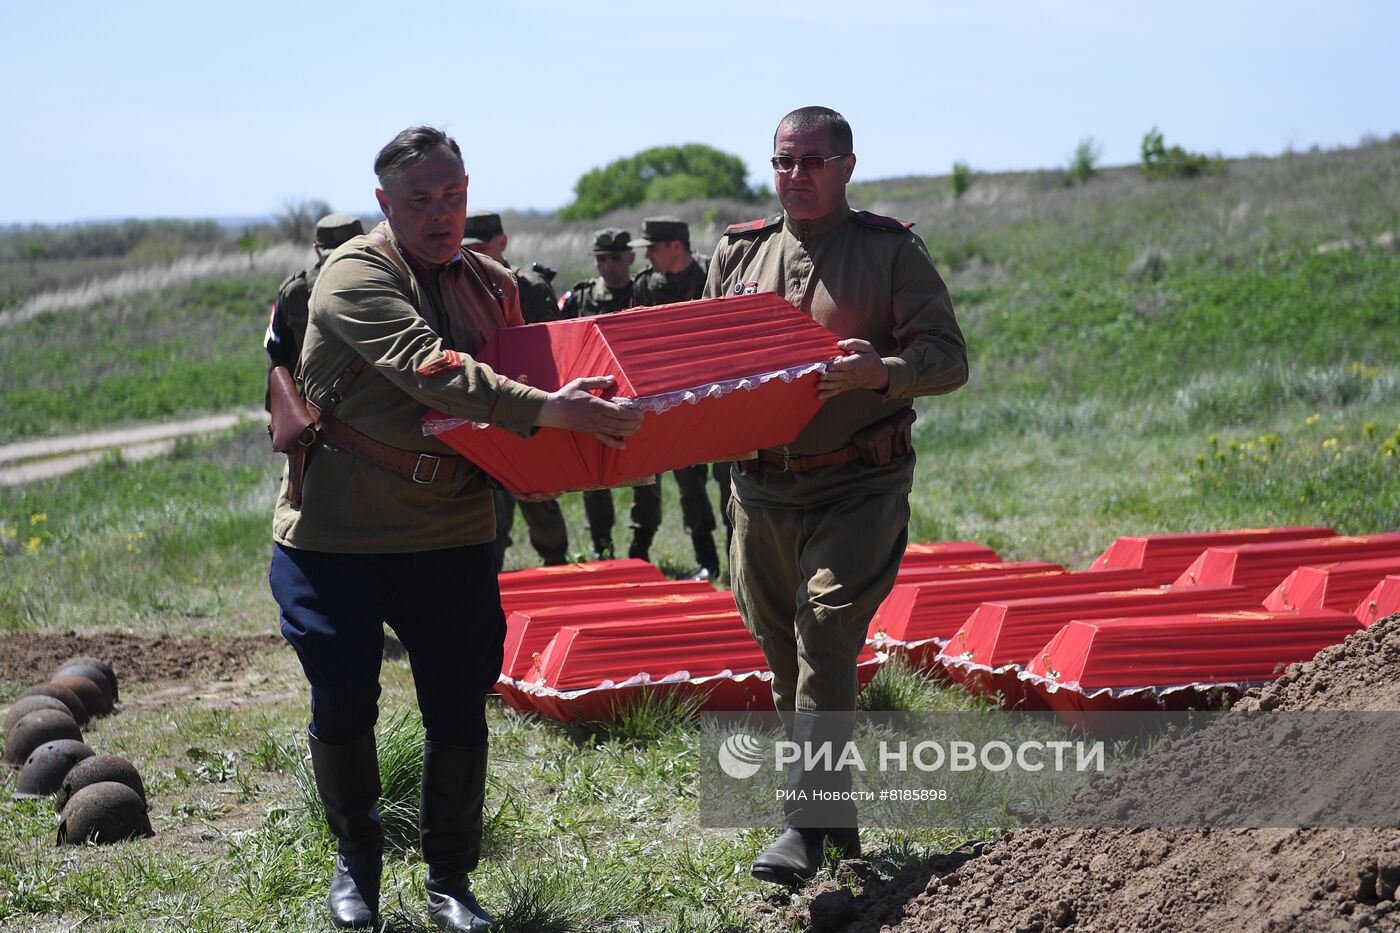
{"x": 801, "y": 463}
{"x": 421, "y": 468}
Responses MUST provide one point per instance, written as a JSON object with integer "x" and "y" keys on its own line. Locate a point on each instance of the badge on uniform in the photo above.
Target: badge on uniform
{"x": 750, "y": 288}
{"x": 738, "y": 288}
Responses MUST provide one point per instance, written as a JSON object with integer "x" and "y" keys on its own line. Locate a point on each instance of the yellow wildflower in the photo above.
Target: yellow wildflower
{"x": 32, "y": 545}
{"x": 38, "y": 517}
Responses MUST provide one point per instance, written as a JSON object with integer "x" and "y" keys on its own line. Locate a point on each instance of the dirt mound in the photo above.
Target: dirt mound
{"x": 28, "y": 657}
{"x": 1163, "y": 880}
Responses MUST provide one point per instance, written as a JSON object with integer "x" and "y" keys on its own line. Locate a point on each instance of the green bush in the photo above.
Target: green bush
{"x": 1159, "y": 161}
{"x": 1083, "y": 165}
{"x": 961, "y": 179}
{"x": 670, "y": 174}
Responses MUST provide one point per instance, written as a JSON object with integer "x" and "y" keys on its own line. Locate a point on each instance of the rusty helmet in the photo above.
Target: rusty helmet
{"x": 102, "y": 666}
{"x": 29, "y": 704}
{"x": 103, "y": 812}
{"x": 93, "y": 697}
{"x": 59, "y": 692}
{"x": 89, "y": 670}
{"x": 47, "y": 766}
{"x": 40, "y": 726}
{"x": 95, "y": 769}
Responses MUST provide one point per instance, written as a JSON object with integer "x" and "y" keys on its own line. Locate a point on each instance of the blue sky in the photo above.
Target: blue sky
{"x": 191, "y": 110}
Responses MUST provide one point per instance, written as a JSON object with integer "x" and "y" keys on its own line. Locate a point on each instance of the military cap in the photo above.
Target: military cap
{"x": 611, "y": 240}
{"x": 334, "y": 229}
{"x": 661, "y": 229}
{"x": 481, "y": 227}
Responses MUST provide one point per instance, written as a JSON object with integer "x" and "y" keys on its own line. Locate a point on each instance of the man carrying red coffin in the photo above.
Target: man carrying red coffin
{"x": 385, "y": 525}
{"x": 820, "y": 525}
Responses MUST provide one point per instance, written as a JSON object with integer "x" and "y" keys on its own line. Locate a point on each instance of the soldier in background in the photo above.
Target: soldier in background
{"x": 286, "y": 328}
{"x": 548, "y": 534}
{"x": 820, "y": 525}
{"x": 675, "y": 275}
{"x": 610, "y": 291}
{"x": 485, "y": 235}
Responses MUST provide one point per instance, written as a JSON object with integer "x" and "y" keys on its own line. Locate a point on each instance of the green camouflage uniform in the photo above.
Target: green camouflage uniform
{"x": 585, "y": 299}
{"x": 286, "y": 328}
{"x": 652, "y": 287}
{"x": 548, "y": 534}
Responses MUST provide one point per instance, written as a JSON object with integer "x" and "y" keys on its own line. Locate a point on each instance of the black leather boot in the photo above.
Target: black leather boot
{"x": 450, "y": 823}
{"x": 815, "y": 804}
{"x": 706, "y": 556}
{"x": 347, "y": 778}
{"x": 795, "y": 857}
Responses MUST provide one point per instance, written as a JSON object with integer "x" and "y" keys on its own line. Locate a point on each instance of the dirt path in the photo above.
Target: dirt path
{"x": 28, "y": 461}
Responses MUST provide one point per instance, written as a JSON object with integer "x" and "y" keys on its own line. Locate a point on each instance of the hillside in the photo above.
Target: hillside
{"x": 1164, "y": 356}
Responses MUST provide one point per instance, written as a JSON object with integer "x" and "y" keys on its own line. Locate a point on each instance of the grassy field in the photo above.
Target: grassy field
{"x": 1146, "y": 357}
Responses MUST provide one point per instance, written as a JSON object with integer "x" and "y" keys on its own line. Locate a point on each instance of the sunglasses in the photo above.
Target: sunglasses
{"x": 810, "y": 164}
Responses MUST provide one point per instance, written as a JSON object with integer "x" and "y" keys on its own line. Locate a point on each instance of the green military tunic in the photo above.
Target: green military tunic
{"x": 593, "y": 296}
{"x": 293, "y": 304}
{"x": 814, "y": 553}
{"x": 652, "y": 287}
{"x": 538, "y": 303}
{"x": 416, "y": 328}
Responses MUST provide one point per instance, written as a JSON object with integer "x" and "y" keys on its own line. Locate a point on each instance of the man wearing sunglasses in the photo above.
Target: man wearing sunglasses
{"x": 821, "y": 524}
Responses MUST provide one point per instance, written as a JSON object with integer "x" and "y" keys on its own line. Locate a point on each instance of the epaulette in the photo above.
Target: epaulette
{"x": 750, "y": 227}
{"x": 880, "y": 222}
{"x": 299, "y": 274}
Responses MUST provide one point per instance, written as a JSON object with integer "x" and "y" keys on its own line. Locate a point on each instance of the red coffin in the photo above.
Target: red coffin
{"x": 1330, "y": 586}
{"x": 1261, "y": 567}
{"x": 927, "y": 573}
{"x": 526, "y": 600}
{"x": 947, "y": 552}
{"x": 593, "y": 573}
{"x": 919, "y": 618}
{"x": 716, "y": 378}
{"x": 1382, "y": 601}
{"x": 587, "y": 672}
{"x": 529, "y": 631}
{"x": 998, "y": 639}
{"x": 1175, "y": 662}
{"x": 1166, "y": 556}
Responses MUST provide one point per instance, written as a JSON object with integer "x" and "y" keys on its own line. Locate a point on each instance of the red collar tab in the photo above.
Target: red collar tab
{"x": 754, "y": 226}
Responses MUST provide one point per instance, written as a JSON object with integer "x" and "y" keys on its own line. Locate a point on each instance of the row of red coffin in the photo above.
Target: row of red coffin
{"x": 1163, "y": 621}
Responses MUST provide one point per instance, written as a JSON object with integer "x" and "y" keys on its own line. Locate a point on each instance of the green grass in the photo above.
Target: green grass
{"x": 1146, "y": 358}
{"x": 150, "y": 356}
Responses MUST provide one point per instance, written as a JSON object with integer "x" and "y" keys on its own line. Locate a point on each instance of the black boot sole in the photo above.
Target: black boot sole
{"x": 788, "y": 877}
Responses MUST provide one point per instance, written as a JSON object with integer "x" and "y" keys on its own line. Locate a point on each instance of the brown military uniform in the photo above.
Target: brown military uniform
{"x": 834, "y": 534}
{"x": 416, "y": 328}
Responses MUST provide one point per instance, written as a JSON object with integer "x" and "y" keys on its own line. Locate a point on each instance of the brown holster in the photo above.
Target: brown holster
{"x": 880, "y": 443}
{"x": 297, "y": 425}
{"x": 292, "y": 429}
